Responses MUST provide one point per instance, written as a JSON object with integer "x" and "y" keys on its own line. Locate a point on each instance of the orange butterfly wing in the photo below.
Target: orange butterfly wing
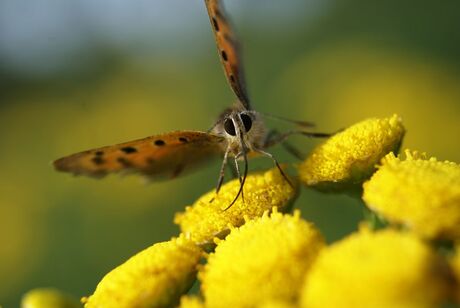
{"x": 166, "y": 155}
{"x": 227, "y": 46}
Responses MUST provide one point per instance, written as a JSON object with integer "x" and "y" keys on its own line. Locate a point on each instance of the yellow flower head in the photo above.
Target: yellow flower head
{"x": 348, "y": 158}
{"x": 188, "y": 301}
{"x": 155, "y": 277}
{"x": 382, "y": 269}
{"x": 205, "y": 219}
{"x": 48, "y": 298}
{"x": 421, "y": 193}
{"x": 261, "y": 263}
{"x": 278, "y": 304}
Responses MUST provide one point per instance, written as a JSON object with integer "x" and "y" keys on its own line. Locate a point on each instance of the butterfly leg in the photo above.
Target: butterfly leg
{"x": 276, "y": 164}
{"x": 279, "y": 138}
{"x": 222, "y": 171}
{"x": 293, "y": 150}
{"x": 273, "y": 134}
{"x": 220, "y": 180}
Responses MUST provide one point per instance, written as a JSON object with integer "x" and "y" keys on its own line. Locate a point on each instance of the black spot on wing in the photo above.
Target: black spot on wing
{"x": 183, "y": 139}
{"x": 99, "y": 153}
{"x": 129, "y": 150}
{"x": 159, "y": 142}
{"x": 97, "y": 160}
{"x": 215, "y": 24}
{"x": 224, "y": 55}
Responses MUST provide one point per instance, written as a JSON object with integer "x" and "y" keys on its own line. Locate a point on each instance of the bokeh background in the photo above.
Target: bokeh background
{"x": 79, "y": 74}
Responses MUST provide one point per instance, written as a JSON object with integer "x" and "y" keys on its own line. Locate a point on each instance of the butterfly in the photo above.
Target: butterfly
{"x": 238, "y": 132}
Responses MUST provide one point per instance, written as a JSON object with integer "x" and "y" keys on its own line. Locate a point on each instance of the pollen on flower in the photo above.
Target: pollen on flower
{"x": 261, "y": 263}
{"x": 418, "y": 192}
{"x": 48, "y": 298}
{"x": 206, "y": 218}
{"x": 382, "y": 269}
{"x": 155, "y": 277}
{"x": 349, "y": 157}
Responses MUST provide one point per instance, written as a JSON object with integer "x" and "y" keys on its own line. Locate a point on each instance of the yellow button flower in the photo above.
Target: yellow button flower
{"x": 382, "y": 269}
{"x": 277, "y": 304}
{"x": 188, "y": 301}
{"x": 205, "y": 219}
{"x": 48, "y": 298}
{"x": 155, "y": 277}
{"x": 422, "y": 194}
{"x": 349, "y": 157}
{"x": 261, "y": 263}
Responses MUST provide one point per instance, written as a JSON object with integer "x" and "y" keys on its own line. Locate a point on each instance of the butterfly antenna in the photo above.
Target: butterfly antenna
{"x": 240, "y": 191}
{"x": 304, "y": 124}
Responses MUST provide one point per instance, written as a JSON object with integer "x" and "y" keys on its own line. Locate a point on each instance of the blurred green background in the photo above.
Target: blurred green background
{"x": 81, "y": 74}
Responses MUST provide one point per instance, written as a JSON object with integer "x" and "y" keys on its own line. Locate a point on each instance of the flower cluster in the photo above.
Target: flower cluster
{"x": 349, "y": 157}
{"x": 270, "y": 254}
{"x": 428, "y": 202}
{"x": 157, "y": 276}
{"x": 207, "y": 219}
{"x": 257, "y": 254}
{"x": 377, "y": 269}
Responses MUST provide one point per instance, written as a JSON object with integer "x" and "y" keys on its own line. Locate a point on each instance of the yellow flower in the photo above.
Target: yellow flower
{"x": 348, "y": 158}
{"x": 382, "y": 269}
{"x": 188, "y": 301}
{"x": 205, "y": 219}
{"x": 261, "y": 263}
{"x": 277, "y": 304}
{"x": 155, "y": 277}
{"x": 48, "y": 298}
{"x": 191, "y": 301}
{"x": 423, "y": 194}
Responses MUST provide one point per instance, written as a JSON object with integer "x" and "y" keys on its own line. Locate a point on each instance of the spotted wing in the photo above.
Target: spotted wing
{"x": 160, "y": 156}
{"x": 227, "y": 46}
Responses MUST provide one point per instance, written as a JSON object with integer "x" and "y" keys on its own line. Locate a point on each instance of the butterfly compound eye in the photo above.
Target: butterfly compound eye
{"x": 229, "y": 127}
{"x": 247, "y": 121}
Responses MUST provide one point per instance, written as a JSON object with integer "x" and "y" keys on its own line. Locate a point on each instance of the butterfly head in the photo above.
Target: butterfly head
{"x": 241, "y": 128}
